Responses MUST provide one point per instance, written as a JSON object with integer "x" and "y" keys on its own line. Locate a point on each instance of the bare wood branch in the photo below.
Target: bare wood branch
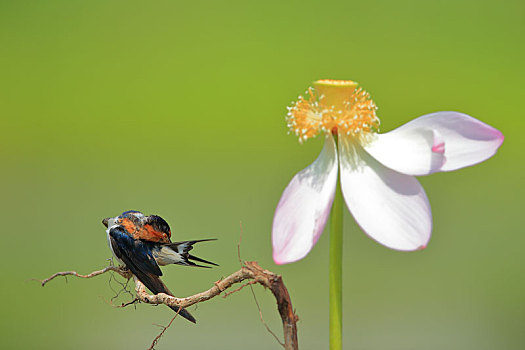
{"x": 250, "y": 270}
{"x": 118, "y": 269}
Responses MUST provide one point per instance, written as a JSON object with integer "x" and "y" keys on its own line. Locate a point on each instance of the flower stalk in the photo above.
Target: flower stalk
{"x": 336, "y": 272}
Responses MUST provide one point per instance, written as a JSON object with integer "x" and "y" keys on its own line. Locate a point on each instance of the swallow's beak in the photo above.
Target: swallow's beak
{"x": 105, "y": 221}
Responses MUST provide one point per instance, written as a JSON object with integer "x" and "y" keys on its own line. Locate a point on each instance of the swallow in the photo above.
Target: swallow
{"x": 143, "y": 243}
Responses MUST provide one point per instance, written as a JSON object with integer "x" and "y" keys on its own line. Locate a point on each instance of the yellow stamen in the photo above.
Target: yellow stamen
{"x": 336, "y": 106}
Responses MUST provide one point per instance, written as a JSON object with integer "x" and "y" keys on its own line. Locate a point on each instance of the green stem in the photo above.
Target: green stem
{"x": 336, "y": 272}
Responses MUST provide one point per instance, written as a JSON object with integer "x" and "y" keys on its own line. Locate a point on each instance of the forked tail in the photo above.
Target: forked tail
{"x": 183, "y": 248}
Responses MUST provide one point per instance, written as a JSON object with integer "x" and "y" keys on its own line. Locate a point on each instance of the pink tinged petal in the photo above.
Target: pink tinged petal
{"x": 413, "y": 151}
{"x": 468, "y": 141}
{"x": 304, "y": 207}
{"x": 390, "y": 207}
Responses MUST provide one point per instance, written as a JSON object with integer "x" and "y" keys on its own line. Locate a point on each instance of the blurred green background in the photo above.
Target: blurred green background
{"x": 177, "y": 108}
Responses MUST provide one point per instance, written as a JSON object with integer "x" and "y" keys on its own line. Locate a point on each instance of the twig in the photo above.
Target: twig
{"x": 136, "y": 300}
{"x": 238, "y": 289}
{"x": 164, "y": 328}
{"x": 251, "y": 288}
{"x": 118, "y": 269}
{"x": 123, "y": 289}
{"x": 262, "y": 319}
{"x": 239, "y": 244}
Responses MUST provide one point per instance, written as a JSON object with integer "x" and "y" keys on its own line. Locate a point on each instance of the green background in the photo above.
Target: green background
{"x": 177, "y": 108}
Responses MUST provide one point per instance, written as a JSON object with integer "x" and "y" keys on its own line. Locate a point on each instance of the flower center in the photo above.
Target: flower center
{"x": 336, "y": 106}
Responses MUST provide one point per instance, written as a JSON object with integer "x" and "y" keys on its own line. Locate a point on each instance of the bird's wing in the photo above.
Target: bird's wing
{"x": 136, "y": 254}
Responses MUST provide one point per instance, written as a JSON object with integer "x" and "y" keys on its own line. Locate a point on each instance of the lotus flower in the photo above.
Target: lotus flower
{"x": 376, "y": 170}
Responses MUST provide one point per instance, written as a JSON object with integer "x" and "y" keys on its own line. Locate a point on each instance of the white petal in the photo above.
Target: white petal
{"x": 304, "y": 207}
{"x": 468, "y": 141}
{"x": 411, "y": 151}
{"x": 390, "y": 207}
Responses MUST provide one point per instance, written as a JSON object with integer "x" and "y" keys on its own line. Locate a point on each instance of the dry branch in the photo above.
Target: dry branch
{"x": 250, "y": 270}
{"x": 118, "y": 269}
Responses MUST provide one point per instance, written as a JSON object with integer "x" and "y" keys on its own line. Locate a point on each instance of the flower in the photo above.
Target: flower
{"x": 376, "y": 170}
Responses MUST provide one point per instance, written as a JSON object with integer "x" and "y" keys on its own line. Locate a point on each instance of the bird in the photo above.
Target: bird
{"x": 143, "y": 243}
